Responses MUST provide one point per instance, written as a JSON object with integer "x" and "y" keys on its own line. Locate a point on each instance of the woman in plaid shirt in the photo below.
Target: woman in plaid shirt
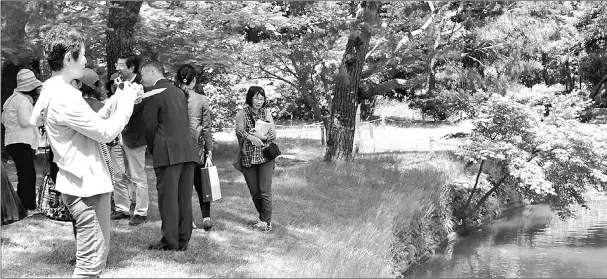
{"x": 257, "y": 170}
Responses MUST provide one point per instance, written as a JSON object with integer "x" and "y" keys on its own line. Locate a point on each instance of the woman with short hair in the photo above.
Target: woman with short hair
{"x": 257, "y": 169}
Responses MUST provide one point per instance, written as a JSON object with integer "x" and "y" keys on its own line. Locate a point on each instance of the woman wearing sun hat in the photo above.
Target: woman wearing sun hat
{"x": 21, "y": 137}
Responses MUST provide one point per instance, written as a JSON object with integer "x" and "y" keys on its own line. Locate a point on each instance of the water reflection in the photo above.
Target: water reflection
{"x": 529, "y": 243}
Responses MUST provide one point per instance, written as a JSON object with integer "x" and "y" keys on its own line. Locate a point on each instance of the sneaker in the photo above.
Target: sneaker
{"x": 119, "y": 215}
{"x": 268, "y": 228}
{"x": 263, "y": 226}
{"x": 259, "y": 224}
{"x": 137, "y": 220}
{"x": 207, "y": 224}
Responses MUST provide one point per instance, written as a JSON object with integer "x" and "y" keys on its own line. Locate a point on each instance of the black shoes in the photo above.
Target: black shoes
{"x": 137, "y": 220}
{"x": 160, "y": 247}
{"x": 116, "y": 215}
{"x": 207, "y": 225}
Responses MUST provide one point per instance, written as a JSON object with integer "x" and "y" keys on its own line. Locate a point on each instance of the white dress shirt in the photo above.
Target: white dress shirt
{"x": 75, "y": 131}
{"x": 16, "y": 114}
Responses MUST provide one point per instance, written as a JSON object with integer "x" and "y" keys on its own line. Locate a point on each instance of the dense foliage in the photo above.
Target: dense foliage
{"x": 549, "y": 158}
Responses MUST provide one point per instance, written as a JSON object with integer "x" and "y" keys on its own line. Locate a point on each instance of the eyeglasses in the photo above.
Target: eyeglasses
{"x": 120, "y": 65}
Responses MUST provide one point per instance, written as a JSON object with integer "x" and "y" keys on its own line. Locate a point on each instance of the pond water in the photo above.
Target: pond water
{"x": 530, "y": 242}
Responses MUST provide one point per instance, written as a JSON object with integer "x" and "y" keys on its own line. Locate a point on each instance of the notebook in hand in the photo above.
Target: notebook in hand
{"x": 262, "y": 127}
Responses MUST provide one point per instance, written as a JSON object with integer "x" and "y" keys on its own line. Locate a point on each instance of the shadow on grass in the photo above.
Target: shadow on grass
{"x": 330, "y": 220}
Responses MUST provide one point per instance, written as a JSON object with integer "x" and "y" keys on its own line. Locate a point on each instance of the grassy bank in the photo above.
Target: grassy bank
{"x": 330, "y": 220}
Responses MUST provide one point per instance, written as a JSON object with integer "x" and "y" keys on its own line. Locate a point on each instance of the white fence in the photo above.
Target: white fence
{"x": 380, "y": 135}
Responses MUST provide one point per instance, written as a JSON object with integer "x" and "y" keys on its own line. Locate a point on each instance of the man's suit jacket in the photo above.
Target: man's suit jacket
{"x": 132, "y": 135}
{"x": 166, "y": 126}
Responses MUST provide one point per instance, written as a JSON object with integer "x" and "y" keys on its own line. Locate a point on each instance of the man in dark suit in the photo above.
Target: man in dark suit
{"x": 173, "y": 151}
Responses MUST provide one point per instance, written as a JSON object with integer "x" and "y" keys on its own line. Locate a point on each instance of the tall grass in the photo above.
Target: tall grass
{"x": 330, "y": 220}
{"x": 357, "y": 209}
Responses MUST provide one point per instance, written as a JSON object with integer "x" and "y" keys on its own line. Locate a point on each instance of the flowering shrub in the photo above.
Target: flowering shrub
{"x": 552, "y": 158}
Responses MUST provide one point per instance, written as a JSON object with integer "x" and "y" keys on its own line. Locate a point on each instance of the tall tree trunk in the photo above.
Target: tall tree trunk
{"x": 545, "y": 62}
{"x": 122, "y": 17}
{"x": 341, "y": 128}
{"x": 596, "y": 89}
{"x": 313, "y": 103}
{"x": 432, "y": 67}
{"x": 569, "y": 79}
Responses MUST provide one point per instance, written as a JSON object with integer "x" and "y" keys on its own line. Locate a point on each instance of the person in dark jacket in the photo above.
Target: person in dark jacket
{"x": 173, "y": 151}
{"x": 199, "y": 115}
{"x": 131, "y": 192}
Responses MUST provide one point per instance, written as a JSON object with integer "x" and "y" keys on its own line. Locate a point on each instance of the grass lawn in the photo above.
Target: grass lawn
{"x": 330, "y": 220}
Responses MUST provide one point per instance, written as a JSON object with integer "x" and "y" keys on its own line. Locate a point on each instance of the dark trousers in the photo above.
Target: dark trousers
{"x": 205, "y": 206}
{"x": 259, "y": 180}
{"x": 23, "y": 156}
{"x": 174, "y": 185}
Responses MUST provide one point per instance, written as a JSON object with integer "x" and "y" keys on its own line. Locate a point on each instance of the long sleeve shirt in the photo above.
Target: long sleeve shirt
{"x": 75, "y": 130}
{"x": 245, "y": 122}
{"x": 16, "y": 114}
{"x": 199, "y": 115}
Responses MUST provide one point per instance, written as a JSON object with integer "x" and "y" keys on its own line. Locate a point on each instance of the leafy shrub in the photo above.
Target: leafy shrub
{"x": 593, "y": 67}
{"x": 448, "y": 103}
{"x": 553, "y": 158}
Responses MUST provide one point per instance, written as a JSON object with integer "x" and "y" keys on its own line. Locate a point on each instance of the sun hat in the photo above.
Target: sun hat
{"x": 89, "y": 77}
{"x": 27, "y": 81}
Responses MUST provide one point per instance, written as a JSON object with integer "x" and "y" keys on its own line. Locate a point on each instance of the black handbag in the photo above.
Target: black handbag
{"x": 271, "y": 152}
{"x": 49, "y": 201}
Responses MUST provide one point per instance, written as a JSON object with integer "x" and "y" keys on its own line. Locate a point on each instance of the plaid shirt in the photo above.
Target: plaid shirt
{"x": 251, "y": 154}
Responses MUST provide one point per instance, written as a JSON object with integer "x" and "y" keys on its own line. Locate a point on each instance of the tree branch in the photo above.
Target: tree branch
{"x": 287, "y": 67}
{"x": 595, "y": 89}
{"x": 480, "y": 170}
{"x": 384, "y": 87}
{"x": 273, "y": 75}
{"x": 373, "y": 67}
{"x": 408, "y": 36}
{"x": 486, "y": 196}
{"x": 374, "y": 48}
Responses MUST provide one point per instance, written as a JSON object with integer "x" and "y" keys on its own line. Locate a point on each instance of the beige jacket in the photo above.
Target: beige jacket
{"x": 199, "y": 115}
{"x": 74, "y": 131}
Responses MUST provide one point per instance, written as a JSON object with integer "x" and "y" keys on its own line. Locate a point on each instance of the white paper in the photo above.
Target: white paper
{"x": 262, "y": 127}
{"x": 152, "y": 93}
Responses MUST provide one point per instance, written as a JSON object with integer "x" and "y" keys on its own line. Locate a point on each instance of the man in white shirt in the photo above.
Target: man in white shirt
{"x": 75, "y": 132}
